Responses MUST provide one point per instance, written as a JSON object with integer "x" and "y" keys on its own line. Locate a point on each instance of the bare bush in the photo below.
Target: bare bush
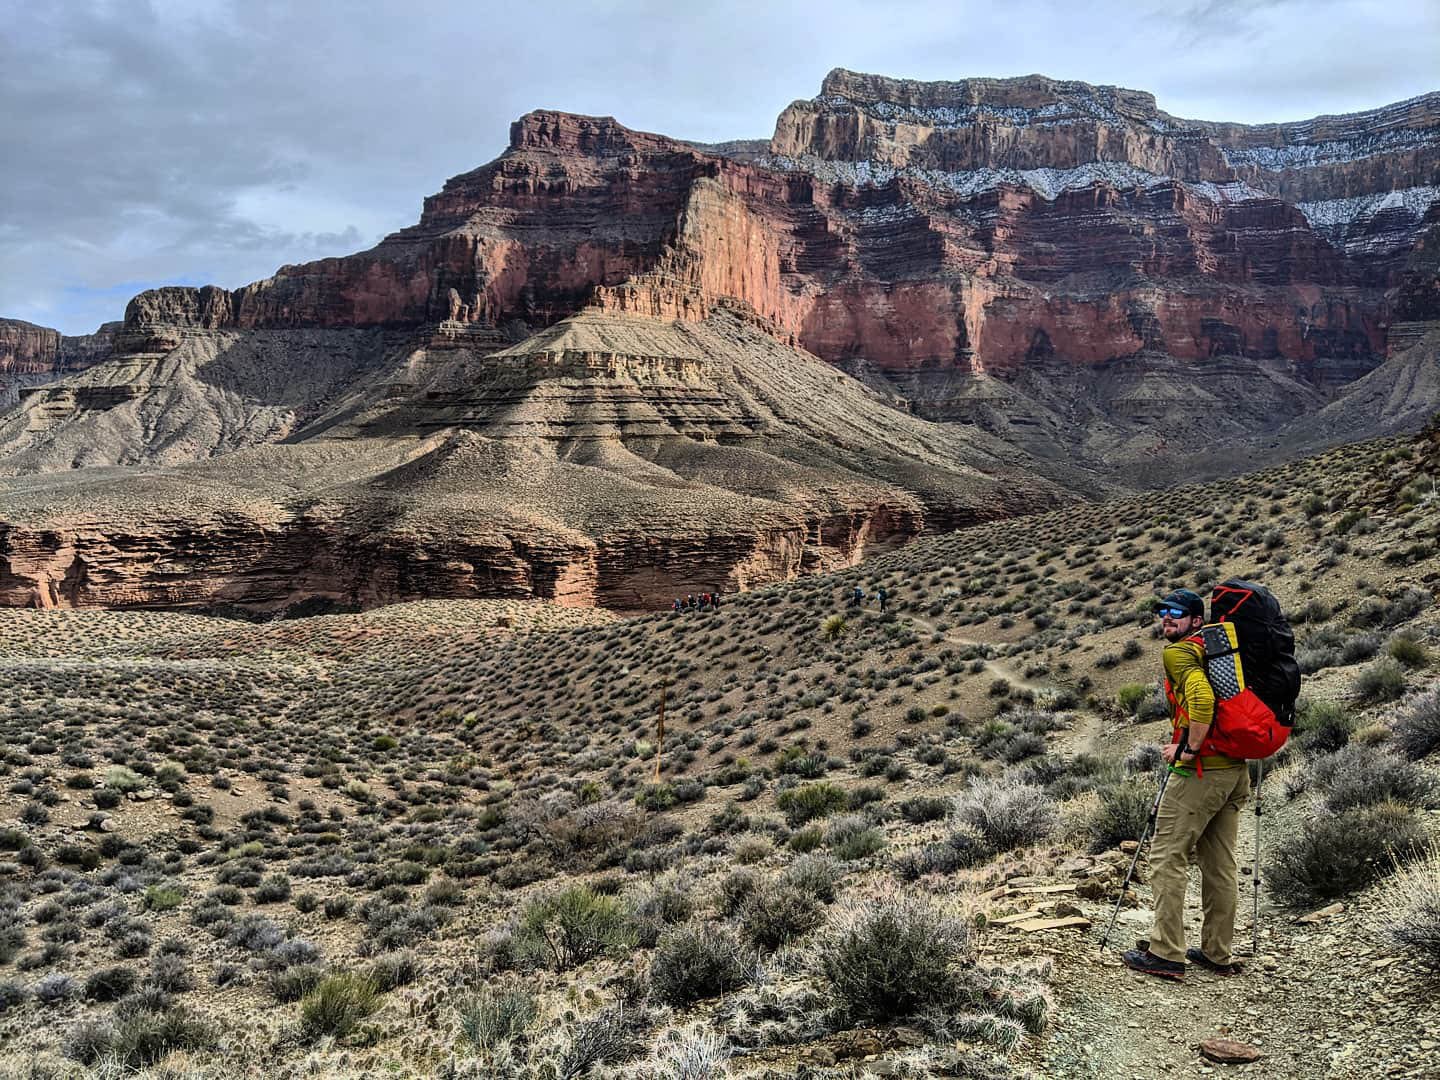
{"x": 1009, "y": 814}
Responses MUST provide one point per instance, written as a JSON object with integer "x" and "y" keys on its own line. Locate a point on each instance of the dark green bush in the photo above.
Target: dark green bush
{"x": 777, "y": 913}
{"x": 893, "y": 958}
{"x": 1382, "y": 681}
{"x": 1123, "y": 813}
{"x": 696, "y": 961}
{"x": 337, "y": 1006}
{"x": 808, "y": 801}
{"x": 1323, "y": 726}
{"x": 1338, "y": 854}
{"x": 575, "y": 925}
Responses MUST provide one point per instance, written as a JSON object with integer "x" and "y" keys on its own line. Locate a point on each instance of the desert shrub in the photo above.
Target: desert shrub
{"x": 963, "y": 848}
{"x": 1123, "y": 813}
{"x": 337, "y": 1006}
{"x": 272, "y": 890}
{"x": 1323, "y": 726}
{"x": 12, "y": 936}
{"x": 1359, "y": 648}
{"x": 696, "y": 961}
{"x": 924, "y": 808}
{"x": 1363, "y": 775}
{"x": 337, "y": 907}
{"x": 12, "y": 996}
{"x": 658, "y": 904}
{"x": 110, "y": 984}
{"x": 1007, "y": 813}
{"x": 1338, "y": 854}
{"x": 293, "y": 983}
{"x": 1407, "y": 909}
{"x": 1144, "y": 759}
{"x": 1382, "y": 681}
{"x": 692, "y": 1053}
{"x": 814, "y": 875}
{"x": 53, "y": 989}
{"x": 1131, "y": 696}
{"x": 1408, "y": 651}
{"x": 806, "y": 840}
{"x": 575, "y": 925}
{"x": 136, "y": 1040}
{"x": 892, "y": 957}
{"x": 163, "y": 897}
{"x": 1417, "y": 727}
{"x": 1007, "y": 742}
{"x": 776, "y": 913}
{"x": 853, "y": 837}
{"x": 170, "y": 973}
{"x": 494, "y": 1016}
{"x": 751, "y": 850}
{"x": 394, "y": 969}
{"x": 808, "y": 801}
{"x": 606, "y": 1037}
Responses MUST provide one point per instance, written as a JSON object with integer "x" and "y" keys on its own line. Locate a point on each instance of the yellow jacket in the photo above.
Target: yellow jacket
{"x": 1192, "y": 700}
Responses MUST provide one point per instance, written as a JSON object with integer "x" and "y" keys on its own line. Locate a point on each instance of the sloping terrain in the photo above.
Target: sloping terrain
{"x": 455, "y": 838}
{"x": 610, "y": 460}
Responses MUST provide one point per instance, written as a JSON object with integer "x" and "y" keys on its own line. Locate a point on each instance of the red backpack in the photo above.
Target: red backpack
{"x": 1254, "y": 714}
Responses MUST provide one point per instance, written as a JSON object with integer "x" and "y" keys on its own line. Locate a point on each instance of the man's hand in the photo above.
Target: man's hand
{"x": 1169, "y": 752}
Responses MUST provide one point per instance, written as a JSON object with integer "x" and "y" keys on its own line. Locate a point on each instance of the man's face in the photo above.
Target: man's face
{"x": 1176, "y": 624}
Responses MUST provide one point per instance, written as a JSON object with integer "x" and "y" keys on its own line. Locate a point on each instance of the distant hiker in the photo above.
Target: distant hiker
{"x": 690, "y": 601}
{"x": 676, "y": 605}
{"x": 882, "y": 596}
{"x": 858, "y": 596}
{"x": 1200, "y": 810}
{"x": 704, "y": 601}
{"x": 715, "y": 600}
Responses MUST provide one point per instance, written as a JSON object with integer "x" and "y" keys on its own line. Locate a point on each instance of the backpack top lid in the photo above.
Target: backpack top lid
{"x": 1267, "y": 645}
{"x": 1235, "y": 600}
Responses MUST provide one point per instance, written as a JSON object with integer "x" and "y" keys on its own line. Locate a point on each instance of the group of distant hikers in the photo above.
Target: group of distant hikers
{"x": 706, "y": 601}
{"x": 857, "y": 597}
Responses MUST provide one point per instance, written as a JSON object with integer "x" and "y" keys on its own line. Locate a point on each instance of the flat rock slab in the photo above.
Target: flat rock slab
{"x": 1031, "y": 925}
{"x": 1321, "y": 915}
{"x": 1031, "y": 890}
{"x": 1011, "y": 920}
{"x": 1229, "y": 1051}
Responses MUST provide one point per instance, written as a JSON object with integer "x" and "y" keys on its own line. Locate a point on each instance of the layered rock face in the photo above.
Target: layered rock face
{"x": 976, "y": 225}
{"x": 612, "y": 459}
{"x": 589, "y": 371}
{"x": 31, "y": 355}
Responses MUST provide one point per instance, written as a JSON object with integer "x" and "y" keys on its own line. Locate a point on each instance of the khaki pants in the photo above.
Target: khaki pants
{"x": 1200, "y": 813}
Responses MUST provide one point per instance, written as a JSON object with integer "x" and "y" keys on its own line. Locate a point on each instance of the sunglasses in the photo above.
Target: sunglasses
{"x": 1172, "y": 613}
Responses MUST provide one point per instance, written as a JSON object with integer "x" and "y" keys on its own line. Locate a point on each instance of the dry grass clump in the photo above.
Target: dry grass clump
{"x": 1407, "y": 908}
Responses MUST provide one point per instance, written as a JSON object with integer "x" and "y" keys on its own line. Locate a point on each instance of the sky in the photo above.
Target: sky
{"x": 152, "y": 142}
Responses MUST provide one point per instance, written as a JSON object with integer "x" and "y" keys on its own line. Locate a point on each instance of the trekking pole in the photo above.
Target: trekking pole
{"x": 1140, "y": 847}
{"x": 1255, "y": 917}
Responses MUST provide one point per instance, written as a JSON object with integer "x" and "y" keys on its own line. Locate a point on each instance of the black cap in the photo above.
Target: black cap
{"x": 1187, "y": 601}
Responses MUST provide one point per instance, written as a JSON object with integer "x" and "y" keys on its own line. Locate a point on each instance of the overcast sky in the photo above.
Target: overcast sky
{"x": 190, "y": 141}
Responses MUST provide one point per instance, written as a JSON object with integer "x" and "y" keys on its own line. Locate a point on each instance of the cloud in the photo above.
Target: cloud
{"x": 183, "y": 140}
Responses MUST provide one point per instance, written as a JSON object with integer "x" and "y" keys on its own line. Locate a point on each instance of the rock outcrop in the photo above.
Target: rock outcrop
{"x": 31, "y": 355}
{"x": 611, "y": 459}
{"x": 589, "y": 371}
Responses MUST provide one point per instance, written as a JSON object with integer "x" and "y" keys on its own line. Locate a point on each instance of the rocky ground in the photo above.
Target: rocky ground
{"x": 451, "y": 839}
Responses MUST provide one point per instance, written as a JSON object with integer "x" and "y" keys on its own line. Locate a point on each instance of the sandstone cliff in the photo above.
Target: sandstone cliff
{"x": 589, "y": 371}
{"x": 31, "y": 355}
{"x": 612, "y": 460}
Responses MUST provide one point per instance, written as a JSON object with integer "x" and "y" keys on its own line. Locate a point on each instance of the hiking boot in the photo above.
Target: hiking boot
{"x": 1195, "y": 956}
{"x": 1147, "y": 963}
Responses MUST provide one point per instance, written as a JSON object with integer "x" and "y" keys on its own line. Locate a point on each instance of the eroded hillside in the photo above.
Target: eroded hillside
{"x": 450, "y": 837}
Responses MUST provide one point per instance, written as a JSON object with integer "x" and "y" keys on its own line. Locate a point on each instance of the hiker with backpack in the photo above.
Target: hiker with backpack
{"x": 1232, "y": 685}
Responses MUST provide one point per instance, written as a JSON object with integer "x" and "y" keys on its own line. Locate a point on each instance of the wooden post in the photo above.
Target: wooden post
{"x": 660, "y": 734}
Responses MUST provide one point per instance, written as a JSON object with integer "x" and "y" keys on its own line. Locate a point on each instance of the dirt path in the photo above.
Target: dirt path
{"x": 1322, "y": 1001}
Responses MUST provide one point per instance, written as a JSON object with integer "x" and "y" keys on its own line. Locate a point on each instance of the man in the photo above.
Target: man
{"x": 882, "y": 596}
{"x": 1200, "y": 811}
